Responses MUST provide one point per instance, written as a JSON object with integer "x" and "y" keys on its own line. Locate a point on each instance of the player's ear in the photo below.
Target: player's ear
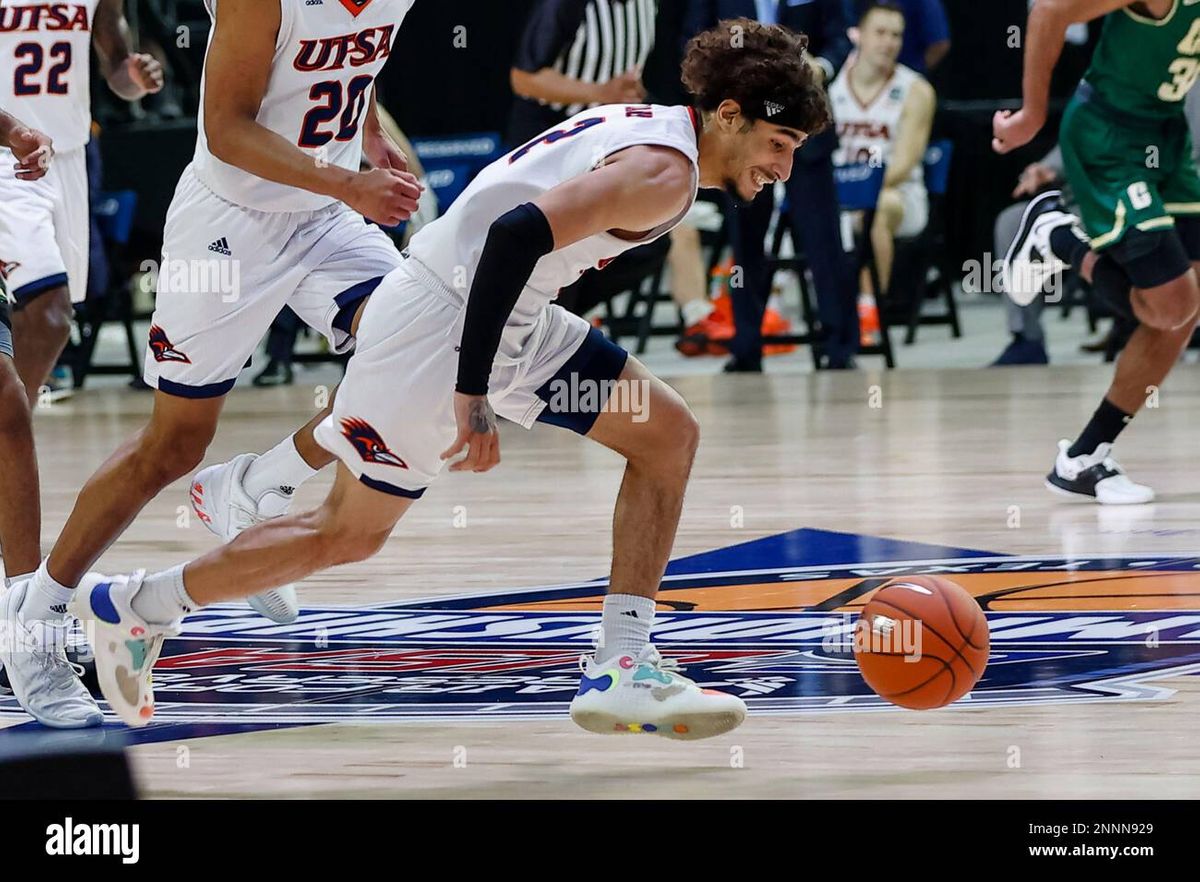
{"x": 728, "y": 115}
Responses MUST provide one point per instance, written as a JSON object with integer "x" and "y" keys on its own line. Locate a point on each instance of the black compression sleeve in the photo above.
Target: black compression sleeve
{"x": 515, "y": 243}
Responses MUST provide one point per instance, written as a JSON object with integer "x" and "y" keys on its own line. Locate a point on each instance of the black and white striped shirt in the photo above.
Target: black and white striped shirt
{"x": 589, "y": 40}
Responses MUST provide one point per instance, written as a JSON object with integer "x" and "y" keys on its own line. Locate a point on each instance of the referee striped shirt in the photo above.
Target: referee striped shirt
{"x": 589, "y": 40}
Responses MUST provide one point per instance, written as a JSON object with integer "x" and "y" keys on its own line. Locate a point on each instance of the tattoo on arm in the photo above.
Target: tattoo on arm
{"x": 481, "y": 418}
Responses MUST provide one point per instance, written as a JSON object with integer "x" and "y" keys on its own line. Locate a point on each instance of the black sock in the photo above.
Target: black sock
{"x": 1106, "y": 424}
{"x": 1068, "y": 247}
{"x": 1112, "y": 286}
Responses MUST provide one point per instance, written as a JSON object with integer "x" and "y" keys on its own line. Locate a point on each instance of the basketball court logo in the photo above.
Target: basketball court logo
{"x": 773, "y": 621}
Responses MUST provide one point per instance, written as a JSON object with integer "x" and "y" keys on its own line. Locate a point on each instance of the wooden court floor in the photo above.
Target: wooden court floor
{"x": 947, "y": 458}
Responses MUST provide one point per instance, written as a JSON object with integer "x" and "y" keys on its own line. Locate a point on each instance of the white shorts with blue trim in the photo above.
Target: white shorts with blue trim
{"x": 394, "y": 412}
{"x": 44, "y": 235}
{"x": 227, "y": 271}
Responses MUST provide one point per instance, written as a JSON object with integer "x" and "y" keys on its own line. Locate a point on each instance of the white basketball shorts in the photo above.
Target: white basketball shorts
{"x": 394, "y": 412}
{"x": 227, "y": 271}
{"x": 44, "y": 232}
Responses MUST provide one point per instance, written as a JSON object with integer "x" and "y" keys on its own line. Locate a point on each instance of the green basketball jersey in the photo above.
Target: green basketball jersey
{"x": 1144, "y": 66}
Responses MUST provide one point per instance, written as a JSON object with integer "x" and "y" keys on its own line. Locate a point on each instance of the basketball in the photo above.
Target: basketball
{"x": 921, "y": 642}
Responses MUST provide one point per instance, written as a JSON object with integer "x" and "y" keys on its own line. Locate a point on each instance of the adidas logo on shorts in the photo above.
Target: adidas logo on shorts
{"x": 221, "y": 246}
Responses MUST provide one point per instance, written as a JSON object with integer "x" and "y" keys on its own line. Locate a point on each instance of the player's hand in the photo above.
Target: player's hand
{"x": 145, "y": 72}
{"x": 1035, "y": 176}
{"x": 476, "y": 434}
{"x": 33, "y": 151}
{"x": 384, "y": 195}
{"x": 1012, "y": 130}
{"x": 382, "y": 152}
{"x": 625, "y": 89}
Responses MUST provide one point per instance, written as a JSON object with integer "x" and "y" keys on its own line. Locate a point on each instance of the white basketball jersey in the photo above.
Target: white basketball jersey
{"x": 45, "y": 60}
{"x": 327, "y": 56}
{"x": 868, "y": 132}
{"x": 450, "y": 246}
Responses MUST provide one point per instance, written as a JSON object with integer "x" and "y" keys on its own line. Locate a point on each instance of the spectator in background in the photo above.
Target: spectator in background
{"x": 1028, "y": 345}
{"x": 812, "y": 196}
{"x": 577, "y": 53}
{"x": 884, "y": 114}
{"x": 926, "y": 32}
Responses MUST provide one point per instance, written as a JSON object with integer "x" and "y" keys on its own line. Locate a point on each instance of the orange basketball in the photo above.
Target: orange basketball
{"x": 921, "y": 642}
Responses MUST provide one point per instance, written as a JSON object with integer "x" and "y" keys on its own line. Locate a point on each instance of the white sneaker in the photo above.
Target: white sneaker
{"x": 224, "y": 506}
{"x": 1095, "y": 477}
{"x": 126, "y": 646}
{"x": 33, "y": 657}
{"x": 647, "y": 694}
{"x": 1030, "y": 262}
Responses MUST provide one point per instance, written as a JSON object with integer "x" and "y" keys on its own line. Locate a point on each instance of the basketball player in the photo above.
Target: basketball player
{"x": 273, "y": 202}
{"x": 437, "y": 360}
{"x": 20, "y": 502}
{"x": 1127, "y": 156}
{"x": 45, "y": 54}
{"x": 884, "y": 114}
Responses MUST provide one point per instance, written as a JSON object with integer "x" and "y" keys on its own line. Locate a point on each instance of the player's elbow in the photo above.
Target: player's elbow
{"x": 222, "y": 136}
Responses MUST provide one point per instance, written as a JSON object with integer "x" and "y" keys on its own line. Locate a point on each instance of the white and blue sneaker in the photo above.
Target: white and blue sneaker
{"x": 126, "y": 646}
{"x": 647, "y": 694}
{"x": 224, "y": 506}
{"x": 33, "y": 658}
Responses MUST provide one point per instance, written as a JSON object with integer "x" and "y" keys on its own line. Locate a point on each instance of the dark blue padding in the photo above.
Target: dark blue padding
{"x": 390, "y": 489}
{"x": 26, "y": 293}
{"x": 348, "y": 302}
{"x": 597, "y": 359}
{"x": 183, "y": 390}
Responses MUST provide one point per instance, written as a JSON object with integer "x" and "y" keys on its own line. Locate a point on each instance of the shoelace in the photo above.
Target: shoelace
{"x": 654, "y": 657}
{"x": 64, "y": 674}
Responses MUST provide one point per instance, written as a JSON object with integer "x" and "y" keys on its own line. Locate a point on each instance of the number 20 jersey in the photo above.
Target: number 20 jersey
{"x": 327, "y": 55}
{"x": 44, "y": 67}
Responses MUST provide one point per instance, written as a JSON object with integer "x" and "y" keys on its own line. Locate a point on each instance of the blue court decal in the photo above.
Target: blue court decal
{"x": 769, "y": 620}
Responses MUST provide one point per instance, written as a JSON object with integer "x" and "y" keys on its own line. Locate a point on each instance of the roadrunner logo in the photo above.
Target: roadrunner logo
{"x": 6, "y": 268}
{"x": 369, "y": 443}
{"x": 773, "y": 621}
{"x": 162, "y": 347}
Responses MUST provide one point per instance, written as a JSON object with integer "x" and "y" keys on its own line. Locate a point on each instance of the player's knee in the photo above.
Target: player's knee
{"x": 53, "y": 312}
{"x": 170, "y": 454}
{"x": 1171, "y": 307}
{"x": 343, "y": 543}
{"x": 675, "y": 437}
{"x": 14, "y": 404}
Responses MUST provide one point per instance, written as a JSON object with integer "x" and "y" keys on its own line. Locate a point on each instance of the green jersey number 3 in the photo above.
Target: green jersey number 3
{"x": 1185, "y": 69}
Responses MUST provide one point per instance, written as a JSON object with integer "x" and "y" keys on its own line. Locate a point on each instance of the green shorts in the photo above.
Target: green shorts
{"x": 1127, "y": 174}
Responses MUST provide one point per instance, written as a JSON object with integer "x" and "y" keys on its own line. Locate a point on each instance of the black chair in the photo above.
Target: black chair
{"x": 114, "y": 213}
{"x": 858, "y": 191}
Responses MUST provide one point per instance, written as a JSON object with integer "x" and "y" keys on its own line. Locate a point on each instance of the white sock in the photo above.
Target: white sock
{"x": 694, "y": 311}
{"x": 624, "y": 625}
{"x": 45, "y": 599}
{"x": 162, "y": 598}
{"x": 279, "y": 472}
{"x": 9, "y": 580}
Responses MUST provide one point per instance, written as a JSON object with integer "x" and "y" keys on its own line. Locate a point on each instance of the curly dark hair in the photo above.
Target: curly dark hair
{"x": 752, "y": 63}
